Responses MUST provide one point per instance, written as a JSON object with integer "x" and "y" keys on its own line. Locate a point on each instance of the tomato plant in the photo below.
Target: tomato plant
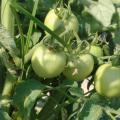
{"x": 60, "y": 60}
{"x": 48, "y": 63}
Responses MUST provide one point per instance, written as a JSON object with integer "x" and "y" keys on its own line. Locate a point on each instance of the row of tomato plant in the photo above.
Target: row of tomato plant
{"x": 47, "y": 53}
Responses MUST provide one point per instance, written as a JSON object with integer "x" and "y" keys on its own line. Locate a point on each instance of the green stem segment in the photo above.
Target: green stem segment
{"x": 7, "y": 17}
{"x": 31, "y": 26}
{"x": 9, "y": 85}
{"x": 8, "y": 91}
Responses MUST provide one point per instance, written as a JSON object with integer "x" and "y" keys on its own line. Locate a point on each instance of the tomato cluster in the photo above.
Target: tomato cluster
{"x": 74, "y": 64}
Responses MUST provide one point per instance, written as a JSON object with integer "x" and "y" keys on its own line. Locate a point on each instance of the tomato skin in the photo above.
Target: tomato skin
{"x": 83, "y": 65}
{"x": 47, "y": 63}
{"x": 59, "y": 26}
{"x": 96, "y": 51}
{"x": 107, "y": 80}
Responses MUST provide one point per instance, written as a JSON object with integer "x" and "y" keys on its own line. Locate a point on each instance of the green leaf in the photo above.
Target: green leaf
{"x": 91, "y": 111}
{"x": 4, "y": 60}
{"x": 90, "y": 106}
{"x": 70, "y": 83}
{"x": 25, "y": 97}
{"x": 76, "y": 91}
{"x": 102, "y": 10}
{"x": 35, "y": 38}
{"x": 53, "y": 106}
{"x": 7, "y": 41}
{"x": 114, "y": 103}
{"x": 112, "y": 110}
{"x": 4, "y": 115}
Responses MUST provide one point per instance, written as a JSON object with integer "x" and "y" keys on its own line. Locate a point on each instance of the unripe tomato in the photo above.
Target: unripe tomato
{"x": 60, "y": 25}
{"x": 79, "y": 68}
{"x": 96, "y": 51}
{"x": 107, "y": 80}
{"x": 48, "y": 63}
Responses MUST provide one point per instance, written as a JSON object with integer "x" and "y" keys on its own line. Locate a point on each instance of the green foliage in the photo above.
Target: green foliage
{"x": 25, "y": 96}
{"x": 102, "y": 9}
{"x": 93, "y": 112}
{"x": 4, "y": 115}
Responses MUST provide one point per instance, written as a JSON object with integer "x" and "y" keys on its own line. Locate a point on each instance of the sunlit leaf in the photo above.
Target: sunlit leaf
{"x": 25, "y": 97}
{"x": 103, "y": 11}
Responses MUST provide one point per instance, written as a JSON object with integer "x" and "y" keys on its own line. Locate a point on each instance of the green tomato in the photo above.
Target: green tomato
{"x": 96, "y": 51}
{"x": 107, "y": 80}
{"x": 79, "y": 68}
{"x": 47, "y": 63}
{"x": 59, "y": 25}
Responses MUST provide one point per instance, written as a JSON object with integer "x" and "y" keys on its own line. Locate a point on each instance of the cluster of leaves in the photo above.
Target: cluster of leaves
{"x": 23, "y": 96}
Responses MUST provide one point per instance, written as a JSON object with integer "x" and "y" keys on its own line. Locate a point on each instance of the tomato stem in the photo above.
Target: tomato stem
{"x": 7, "y": 17}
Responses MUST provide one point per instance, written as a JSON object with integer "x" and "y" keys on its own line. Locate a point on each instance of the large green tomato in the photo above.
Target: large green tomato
{"x": 60, "y": 25}
{"x": 79, "y": 68}
{"x": 47, "y": 63}
{"x": 107, "y": 80}
{"x": 96, "y": 51}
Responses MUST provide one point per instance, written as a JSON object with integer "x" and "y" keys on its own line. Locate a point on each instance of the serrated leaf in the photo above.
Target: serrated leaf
{"x": 4, "y": 115}
{"x": 93, "y": 104}
{"x": 91, "y": 111}
{"x": 25, "y": 97}
{"x": 102, "y": 10}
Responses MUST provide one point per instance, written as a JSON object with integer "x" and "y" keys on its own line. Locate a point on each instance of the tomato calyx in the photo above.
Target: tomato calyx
{"x": 82, "y": 47}
{"x": 52, "y": 44}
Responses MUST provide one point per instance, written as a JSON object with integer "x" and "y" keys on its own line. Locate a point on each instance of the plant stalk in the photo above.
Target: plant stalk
{"x": 7, "y": 17}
